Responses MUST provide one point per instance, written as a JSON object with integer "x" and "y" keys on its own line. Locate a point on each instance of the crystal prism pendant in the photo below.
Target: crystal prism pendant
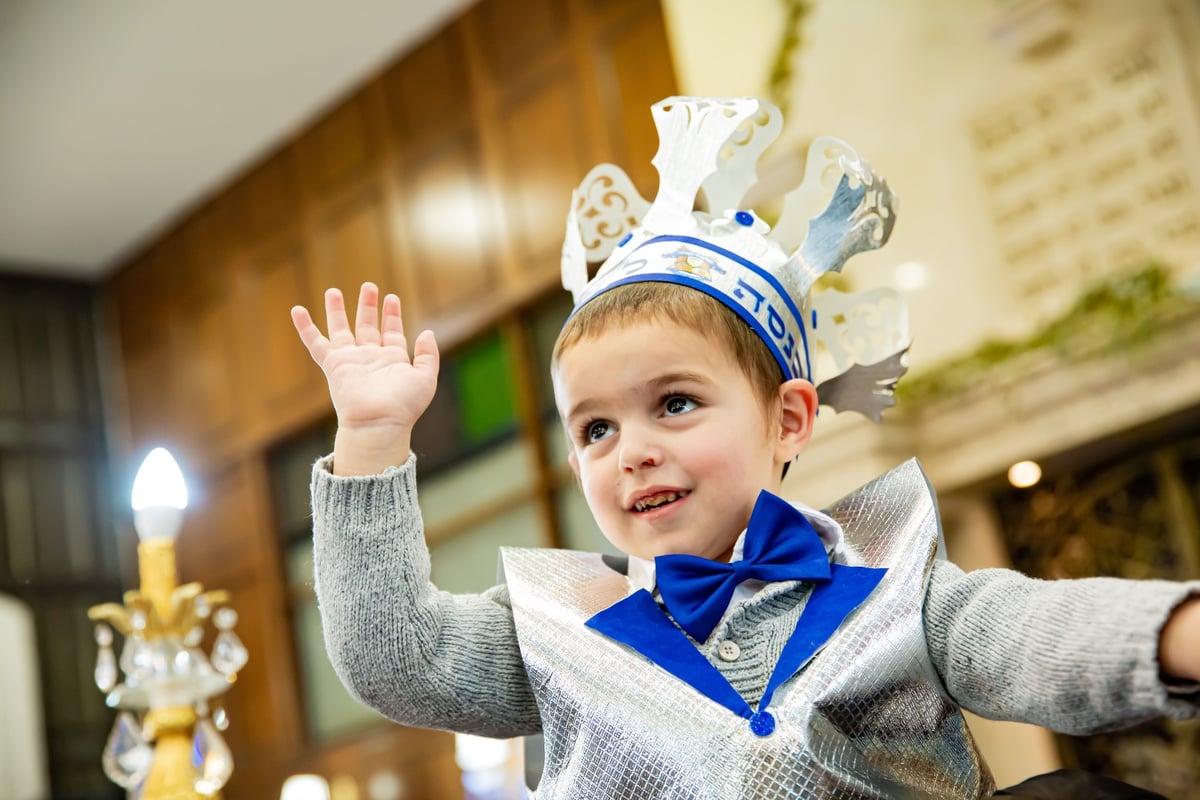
{"x": 229, "y": 654}
{"x": 137, "y": 660}
{"x": 214, "y": 762}
{"x": 106, "y": 661}
{"x": 220, "y": 718}
{"x": 127, "y": 757}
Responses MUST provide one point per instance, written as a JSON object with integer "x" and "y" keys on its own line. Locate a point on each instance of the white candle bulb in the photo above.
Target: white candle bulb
{"x": 159, "y": 482}
{"x": 159, "y": 497}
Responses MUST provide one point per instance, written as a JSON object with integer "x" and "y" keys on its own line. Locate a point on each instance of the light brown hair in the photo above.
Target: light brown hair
{"x": 654, "y": 300}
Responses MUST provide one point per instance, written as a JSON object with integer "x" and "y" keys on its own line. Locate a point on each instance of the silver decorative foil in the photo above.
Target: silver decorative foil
{"x": 867, "y": 718}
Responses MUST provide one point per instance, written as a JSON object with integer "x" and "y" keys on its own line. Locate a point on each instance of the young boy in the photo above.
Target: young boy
{"x": 748, "y": 647}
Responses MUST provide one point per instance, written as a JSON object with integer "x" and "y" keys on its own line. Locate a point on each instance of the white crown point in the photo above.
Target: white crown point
{"x": 707, "y": 156}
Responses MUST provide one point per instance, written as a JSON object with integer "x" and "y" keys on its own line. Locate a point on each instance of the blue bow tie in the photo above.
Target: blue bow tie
{"x": 780, "y": 545}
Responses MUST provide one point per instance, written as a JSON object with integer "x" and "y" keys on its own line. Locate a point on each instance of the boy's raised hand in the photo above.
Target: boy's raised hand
{"x": 378, "y": 392}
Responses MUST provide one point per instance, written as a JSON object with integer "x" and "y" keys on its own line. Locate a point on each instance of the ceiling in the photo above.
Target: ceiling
{"x": 116, "y": 116}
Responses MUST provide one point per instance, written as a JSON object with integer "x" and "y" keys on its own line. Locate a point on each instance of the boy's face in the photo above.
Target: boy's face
{"x": 669, "y": 440}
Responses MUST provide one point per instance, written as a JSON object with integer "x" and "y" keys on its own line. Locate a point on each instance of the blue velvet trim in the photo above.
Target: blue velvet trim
{"x": 828, "y": 606}
{"x": 639, "y": 622}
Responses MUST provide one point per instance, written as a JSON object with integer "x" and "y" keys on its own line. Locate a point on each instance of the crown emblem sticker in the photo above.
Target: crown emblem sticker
{"x": 690, "y": 263}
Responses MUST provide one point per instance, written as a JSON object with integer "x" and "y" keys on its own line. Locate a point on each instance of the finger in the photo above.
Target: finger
{"x": 393, "y": 324}
{"x": 335, "y": 318}
{"x": 425, "y": 354}
{"x": 366, "y": 319}
{"x": 310, "y": 334}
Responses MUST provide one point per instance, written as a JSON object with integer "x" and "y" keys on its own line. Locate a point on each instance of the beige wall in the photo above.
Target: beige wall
{"x": 901, "y": 82}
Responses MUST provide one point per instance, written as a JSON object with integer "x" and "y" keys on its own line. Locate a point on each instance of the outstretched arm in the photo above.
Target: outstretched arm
{"x": 416, "y": 654}
{"x": 1076, "y": 656}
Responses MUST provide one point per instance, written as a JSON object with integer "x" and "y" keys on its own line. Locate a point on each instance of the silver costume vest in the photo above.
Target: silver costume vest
{"x": 867, "y": 717}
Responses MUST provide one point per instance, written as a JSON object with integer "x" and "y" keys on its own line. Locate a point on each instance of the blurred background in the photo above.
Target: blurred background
{"x": 174, "y": 177}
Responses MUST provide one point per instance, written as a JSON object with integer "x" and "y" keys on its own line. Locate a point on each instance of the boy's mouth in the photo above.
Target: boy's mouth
{"x": 658, "y": 500}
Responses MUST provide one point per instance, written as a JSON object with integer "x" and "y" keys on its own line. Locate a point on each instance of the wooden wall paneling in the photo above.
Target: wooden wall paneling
{"x": 449, "y": 229}
{"x": 343, "y": 147}
{"x": 353, "y": 241}
{"x": 142, "y": 348}
{"x": 228, "y": 543}
{"x": 546, "y": 151}
{"x": 265, "y": 200}
{"x": 590, "y": 124}
{"x": 136, "y": 293}
{"x": 512, "y": 35}
{"x": 486, "y": 112}
{"x": 634, "y": 71}
{"x": 275, "y": 649}
{"x": 146, "y": 312}
{"x": 283, "y": 387}
{"x": 391, "y": 193}
{"x": 219, "y": 534}
{"x": 207, "y": 242}
{"x": 206, "y": 363}
{"x": 146, "y": 363}
{"x": 259, "y": 734}
{"x": 429, "y": 90}
{"x": 603, "y": 11}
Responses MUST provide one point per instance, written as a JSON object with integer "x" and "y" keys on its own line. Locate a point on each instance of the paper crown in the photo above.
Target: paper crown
{"x": 708, "y": 149}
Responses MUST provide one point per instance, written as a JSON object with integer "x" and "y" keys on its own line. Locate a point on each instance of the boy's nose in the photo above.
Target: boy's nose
{"x": 638, "y": 453}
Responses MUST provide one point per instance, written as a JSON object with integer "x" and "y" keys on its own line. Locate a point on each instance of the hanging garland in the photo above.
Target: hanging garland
{"x": 1114, "y": 317}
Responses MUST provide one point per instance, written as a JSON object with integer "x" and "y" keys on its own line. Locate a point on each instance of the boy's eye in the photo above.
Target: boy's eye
{"x": 678, "y": 404}
{"x": 595, "y": 431}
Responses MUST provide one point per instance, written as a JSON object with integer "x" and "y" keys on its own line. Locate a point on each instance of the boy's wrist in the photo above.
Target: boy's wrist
{"x": 1179, "y": 643}
{"x": 369, "y": 451}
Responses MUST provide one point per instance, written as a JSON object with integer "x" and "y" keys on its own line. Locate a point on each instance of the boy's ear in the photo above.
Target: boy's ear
{"x": 798, "y": 411}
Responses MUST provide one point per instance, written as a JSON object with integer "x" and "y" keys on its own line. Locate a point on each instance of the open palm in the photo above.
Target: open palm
{"x": 372, "y": 381}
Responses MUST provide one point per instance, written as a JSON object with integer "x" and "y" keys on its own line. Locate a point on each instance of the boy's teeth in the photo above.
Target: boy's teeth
{"x": 657, "y": 500}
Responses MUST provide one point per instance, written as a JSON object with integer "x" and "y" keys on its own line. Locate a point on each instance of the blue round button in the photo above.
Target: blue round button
{"x": 744, "y": 218}
{"x": 762, "y": 723}
{"x": 624, "y": 239}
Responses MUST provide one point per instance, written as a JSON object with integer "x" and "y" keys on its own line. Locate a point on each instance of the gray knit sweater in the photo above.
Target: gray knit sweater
{"x": 1075, "y": 656}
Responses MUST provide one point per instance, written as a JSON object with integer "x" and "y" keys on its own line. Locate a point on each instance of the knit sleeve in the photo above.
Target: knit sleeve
{"x": 1076, "y": 656}
{"x": 414, "y": 653}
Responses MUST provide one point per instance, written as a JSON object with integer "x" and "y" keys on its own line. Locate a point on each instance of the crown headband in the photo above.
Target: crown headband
{"x": 707, "y": 155}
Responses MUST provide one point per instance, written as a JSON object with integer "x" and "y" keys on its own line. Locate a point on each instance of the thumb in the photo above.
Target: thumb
{"x": 425, "y": 354}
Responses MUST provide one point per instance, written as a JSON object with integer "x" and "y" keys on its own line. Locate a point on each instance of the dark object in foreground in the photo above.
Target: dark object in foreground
{"x": 1074, "y": 784}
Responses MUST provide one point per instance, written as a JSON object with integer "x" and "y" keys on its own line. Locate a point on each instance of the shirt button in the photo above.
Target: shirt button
{"x": 728, "y": 651}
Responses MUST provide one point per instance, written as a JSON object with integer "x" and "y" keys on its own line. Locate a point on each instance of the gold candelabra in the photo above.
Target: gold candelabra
{"x": 165, "y": 743}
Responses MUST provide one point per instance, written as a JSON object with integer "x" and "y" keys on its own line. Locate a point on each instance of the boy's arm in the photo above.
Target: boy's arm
{"x": 416, "y": 654}
{"x": 420, "y": 656}
{"x": 1076, "y": 656}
